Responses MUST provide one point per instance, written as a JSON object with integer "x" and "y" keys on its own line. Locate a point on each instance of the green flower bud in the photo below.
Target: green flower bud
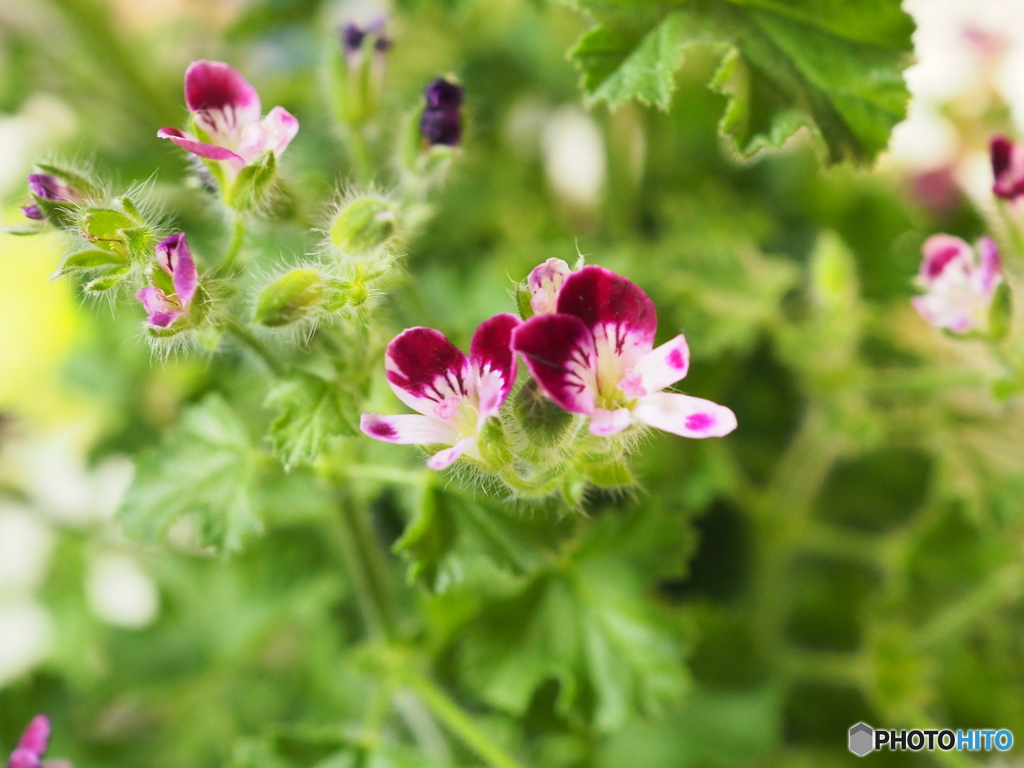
{"x": 544, "y": 422}
{"x": 523, "y": 297}
{"x": 250, "y": 189}
{"x": 292, "y": 297}
{"x": 364, "y": 224}
{"x": 119, "y": 230}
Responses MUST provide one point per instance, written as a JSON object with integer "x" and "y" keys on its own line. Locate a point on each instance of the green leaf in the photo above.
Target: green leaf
{"x": 831, "y": 65}
{"x": 586, "y": 626}
{"x": 450, "y": 534}
{"x": 311, "y": 411}
{"x": 204, "y": 467}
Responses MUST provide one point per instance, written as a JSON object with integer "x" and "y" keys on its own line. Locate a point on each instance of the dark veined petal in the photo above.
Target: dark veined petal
{"x": 407, "y": 429}
{"x": 215, "y": 87}
{"x": 175, "y": 258}
{"x": 490, "y": 352}
{"x": 560, "y": 353}
{"x": 426, "y": 371}
{"x": 942, "y": 253}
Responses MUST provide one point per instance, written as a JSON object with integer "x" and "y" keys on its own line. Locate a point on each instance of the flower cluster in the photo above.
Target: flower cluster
{"x": 589, "y": 347}
{"x": 960, "y": 288}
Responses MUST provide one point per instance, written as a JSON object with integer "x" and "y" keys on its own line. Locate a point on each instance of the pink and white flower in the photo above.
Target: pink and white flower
{"x": 167, "y": 302}
{"x": 595, "y": 356}
{"x": 960, "y": 289}
{"x": 226, "y": 124}
{"x": 544, "y": 283}
{"x": 453, "y": 395}
{"x": 1007, "y": 168}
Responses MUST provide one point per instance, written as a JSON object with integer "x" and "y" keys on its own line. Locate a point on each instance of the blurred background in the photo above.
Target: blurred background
{"x": 853, "y": 552}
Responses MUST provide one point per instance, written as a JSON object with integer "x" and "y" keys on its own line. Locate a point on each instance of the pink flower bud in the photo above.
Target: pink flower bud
{"x": 959, "y": 288}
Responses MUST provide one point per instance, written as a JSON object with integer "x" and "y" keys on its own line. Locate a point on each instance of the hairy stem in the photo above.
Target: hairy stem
{"x": 234, "y": 245}
{"x": 248, "y": 339}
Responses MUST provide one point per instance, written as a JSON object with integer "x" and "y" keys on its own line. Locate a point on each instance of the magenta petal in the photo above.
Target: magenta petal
{"x": 599, "y": 297}
{"x": 990, "y": 272}
{"x": 175, "y": 258}
{"x": 1007, "y": 168}
{"x": 36, "y": 736}
{"x": 281, "y": 127}
{"x": 605, "y": 423}
{"x": 213, "y": 86}
{"x": 201, "y": 148}
{"x": 560, "y": 353}
{"x": 659, "y": 368}
{"x": 24, "y": 758}
{"x": 160, "y": 312}
{"x": 447, "y": 457}
{"x": 940, "y": 253}
{"x": 425, "y": 369}
{"x": 491, "y": 351}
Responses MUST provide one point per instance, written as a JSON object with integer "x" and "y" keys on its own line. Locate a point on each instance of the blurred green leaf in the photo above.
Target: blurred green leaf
{"x": 206, "y": 468}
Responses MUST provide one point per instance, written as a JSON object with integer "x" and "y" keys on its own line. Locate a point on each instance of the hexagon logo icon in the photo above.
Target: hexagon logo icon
{"x": 862, "y": 739}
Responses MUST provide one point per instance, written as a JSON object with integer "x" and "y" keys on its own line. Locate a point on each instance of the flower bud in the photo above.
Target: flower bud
{"x": 253, "y": 183}
{"x": 359, "y": 72}
{"x": 294, "y": 296}
{"x": 364, "y": 224}
{"x": 56, "y": 192}
{"x": 441, "y": 121}
{"x": 543, "y": 421}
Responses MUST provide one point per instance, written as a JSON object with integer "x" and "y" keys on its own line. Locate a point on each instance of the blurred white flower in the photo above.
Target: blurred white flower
{"x": 42, "y": 120}
{"x": 60, "y": 484}
{"x": 25, "y": 546}
{"x": 26, "y": 632}
{"x": 574, "y": 157}
{"x": 120, "y": 593}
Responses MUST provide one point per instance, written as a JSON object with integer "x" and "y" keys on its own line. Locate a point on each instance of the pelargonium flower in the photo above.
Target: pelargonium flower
{"x": 32, "y": 745}
{"x": 544, "y": 283}
{"x": 1007, "y": 167}
{"x": 49, "y": 187}
{"x": 165, "y": 301}
{"x": 960, "y": 289}
{"x": 595, "y": 356}
{"x": 226, "y": 118}
{"x": 454, "y": 395}
{"x": 441, "y": 122}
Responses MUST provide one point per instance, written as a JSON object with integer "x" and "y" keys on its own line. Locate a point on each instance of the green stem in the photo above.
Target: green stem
{"x": 367, "y": 568}
{"x": 246, "y": 337}
{"x": 1012, "y": 230}
{"x": 459, "y": 722}
{"x": 234, "y": 245}
{"x": 359, "y": 154}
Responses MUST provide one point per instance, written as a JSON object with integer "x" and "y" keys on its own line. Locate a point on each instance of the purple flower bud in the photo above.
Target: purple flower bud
{"x": 442, "y": 117}
{"x": 175, "y": 258}
{"x": 1007, "y": 168}
{"x": 32, "y": 745}
{"x": 46, "y": 186}
{"x": 352, "y": 36}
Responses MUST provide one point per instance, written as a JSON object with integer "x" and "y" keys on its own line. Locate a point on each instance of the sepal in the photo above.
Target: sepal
{"x": 364, "y": 224}
{"x": 494, "y": 444}
{"x": 543, "y": 421}
{"x": 1000, "y": 313}
{"x": 254, "y": 181}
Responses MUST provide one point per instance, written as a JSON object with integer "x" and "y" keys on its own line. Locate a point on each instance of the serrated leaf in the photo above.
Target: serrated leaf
{"x": 204, "y": 467}
{"x": 827, "y": 64}
{"x": 311, "y": 411}
{"x": 450, "y": 533}
{"x": 587, "y": 627}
